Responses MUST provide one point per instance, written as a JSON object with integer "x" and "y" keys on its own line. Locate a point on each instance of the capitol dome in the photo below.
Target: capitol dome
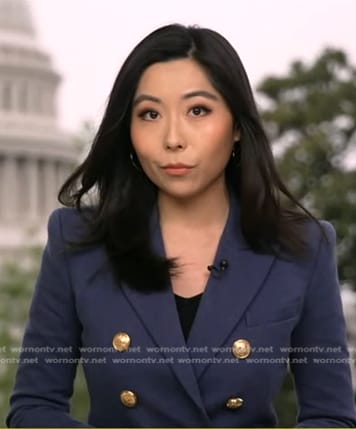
{"x": 35, "y": 154}
{"x": 15, "y": 17}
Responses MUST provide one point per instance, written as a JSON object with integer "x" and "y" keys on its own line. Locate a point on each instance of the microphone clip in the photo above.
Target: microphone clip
{"x": 223, "y": 266}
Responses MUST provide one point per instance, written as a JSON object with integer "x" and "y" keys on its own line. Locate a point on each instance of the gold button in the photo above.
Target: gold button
{"x": 233, "y": 403}
{"x": 121, "y": 341}
{"x": 241, "y": 349}
{"x": 128, "y": 398}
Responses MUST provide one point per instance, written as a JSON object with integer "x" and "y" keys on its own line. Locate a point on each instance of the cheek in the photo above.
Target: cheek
{"x": 145, "y": 151}
{"x": 136, "y": 137}
{"x": 140, "y": 143}
{"x": 145, "y": 140}
{"x": 145, "y": 154}
{"x": 219, "y": 138}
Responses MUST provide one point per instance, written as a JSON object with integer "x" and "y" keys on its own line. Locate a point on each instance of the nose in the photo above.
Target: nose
{"x": 174, "y": 139}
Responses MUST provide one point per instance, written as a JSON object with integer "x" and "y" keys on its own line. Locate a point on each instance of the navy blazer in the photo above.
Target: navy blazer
{"x": 288, "y": 312}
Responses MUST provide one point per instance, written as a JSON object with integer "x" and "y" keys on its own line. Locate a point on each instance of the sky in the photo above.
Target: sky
{"x": 89, "y": 39}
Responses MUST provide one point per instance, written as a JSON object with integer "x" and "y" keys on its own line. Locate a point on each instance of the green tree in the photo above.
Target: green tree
{"x": 310, "y": 116}
{"x": 15, "y": 292}
{"x": 16, "y": 289}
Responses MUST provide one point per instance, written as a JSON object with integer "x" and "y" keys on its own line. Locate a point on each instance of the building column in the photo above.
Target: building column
{"x": 66, "y": 171}
{"x": 50, "y": 186}
{"x": 59, "y": 175}
{"x": 10, "y": 188}
{"x": 33, "y": 188}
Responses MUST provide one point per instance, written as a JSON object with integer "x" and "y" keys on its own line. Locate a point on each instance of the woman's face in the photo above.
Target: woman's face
{"x": 181, "y": 129}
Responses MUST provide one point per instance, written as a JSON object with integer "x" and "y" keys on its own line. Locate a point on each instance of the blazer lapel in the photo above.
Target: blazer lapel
{"x": 159, "y": 315}
{"x": 228, "y": 294}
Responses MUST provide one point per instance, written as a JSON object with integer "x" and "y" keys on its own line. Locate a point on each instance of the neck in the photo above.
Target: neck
{"x": 199, "y": 212}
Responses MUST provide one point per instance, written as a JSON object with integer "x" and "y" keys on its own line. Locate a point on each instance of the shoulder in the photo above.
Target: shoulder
{"x": 68, "y": 224}
{"x": 318, "y": 229}
{"x": 321, "y": 245}
{"x": 68, "y": 232}
{"x": 319, "y": 239}
{"x": 320, "y": 235}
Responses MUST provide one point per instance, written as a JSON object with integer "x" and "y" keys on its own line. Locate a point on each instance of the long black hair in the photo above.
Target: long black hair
{"x": 270, "y": 216}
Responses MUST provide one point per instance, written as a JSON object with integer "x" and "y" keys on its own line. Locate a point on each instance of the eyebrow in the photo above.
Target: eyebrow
{"x": 200, "y": 93}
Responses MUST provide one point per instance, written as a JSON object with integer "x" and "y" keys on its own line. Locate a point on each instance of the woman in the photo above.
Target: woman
{"x": 195, "y": 279}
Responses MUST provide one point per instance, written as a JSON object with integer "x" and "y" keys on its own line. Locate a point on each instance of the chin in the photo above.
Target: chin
{"x": 183, "y": 195}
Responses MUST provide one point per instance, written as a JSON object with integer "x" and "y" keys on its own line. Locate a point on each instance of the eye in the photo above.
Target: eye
{"x": 199, "y": 111}
{"x": 148, "y": 115}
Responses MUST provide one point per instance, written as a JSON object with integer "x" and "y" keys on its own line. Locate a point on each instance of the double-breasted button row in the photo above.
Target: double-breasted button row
{"x": 129, "y": 399}
{"x": 241, "y": 348}
{"x": 121, "y": 342}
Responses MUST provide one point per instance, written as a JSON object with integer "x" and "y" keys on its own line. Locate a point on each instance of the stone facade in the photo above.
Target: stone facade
{"x": 35, "y": 155}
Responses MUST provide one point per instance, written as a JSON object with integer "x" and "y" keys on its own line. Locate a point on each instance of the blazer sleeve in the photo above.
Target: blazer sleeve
{"x": 320, "y": 360}
{"x": 44, "y": 380}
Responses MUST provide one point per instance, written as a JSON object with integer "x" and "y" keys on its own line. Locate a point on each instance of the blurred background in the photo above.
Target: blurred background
{"x": 58, "y": 60}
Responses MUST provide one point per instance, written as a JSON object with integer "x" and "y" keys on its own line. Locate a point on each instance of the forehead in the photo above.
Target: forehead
{"x": 176, "y": 75}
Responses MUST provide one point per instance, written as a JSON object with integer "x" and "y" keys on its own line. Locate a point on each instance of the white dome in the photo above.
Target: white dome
{"x": 15, "y": 17}
{"x": 36, "y": 156}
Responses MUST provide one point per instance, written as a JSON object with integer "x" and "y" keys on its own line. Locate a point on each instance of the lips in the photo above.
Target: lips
{"x": 178, "y": 165}
{"x": 178, "y": 169}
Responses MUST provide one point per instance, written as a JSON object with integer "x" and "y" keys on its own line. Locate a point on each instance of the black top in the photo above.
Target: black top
{"x": 187, "y": 308}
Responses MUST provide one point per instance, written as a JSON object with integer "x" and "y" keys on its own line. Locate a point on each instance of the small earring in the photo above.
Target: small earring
{"x": 132, "y": 159}
{"x": 236, "y": 153}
